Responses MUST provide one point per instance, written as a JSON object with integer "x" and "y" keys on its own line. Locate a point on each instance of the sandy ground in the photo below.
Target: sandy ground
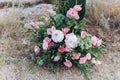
{"x": 16, "y": 64}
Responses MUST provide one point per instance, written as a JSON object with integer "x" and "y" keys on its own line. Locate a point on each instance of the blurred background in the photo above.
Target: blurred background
{"x": 102, "y": 19}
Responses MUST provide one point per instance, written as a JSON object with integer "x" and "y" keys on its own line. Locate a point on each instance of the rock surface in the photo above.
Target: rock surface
{"x": 21, "y": 3}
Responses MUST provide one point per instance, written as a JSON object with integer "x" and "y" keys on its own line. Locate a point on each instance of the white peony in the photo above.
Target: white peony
{"x": 57, "y": 36}
{"x": 71, "y": 40}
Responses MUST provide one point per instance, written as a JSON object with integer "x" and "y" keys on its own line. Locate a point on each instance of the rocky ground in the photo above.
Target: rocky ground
{"x": 16, "y": 64}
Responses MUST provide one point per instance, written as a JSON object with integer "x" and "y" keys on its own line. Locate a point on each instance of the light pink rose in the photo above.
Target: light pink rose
{"x": 68, "y": 63}
{"x": 76, "y": 16}
{"x": 76, "y": 56}
{"x": 36, "y": 50}
{"x": 77, "y": 7}
{"x": 45, "y": 45}
{"x": 57, "y": 36}
{"x": 71, "y": 13}
{"x": 47, "y": 39}
{"x": 65, "y": 30}
{"x": 49, "y": 31}
{"x": 82, "y": 60}
{"x": 94, "y": 40}
{"x": 83, "y": 34}
{"x": 99, "y": 42}
{"x": 88, "y": 56}
{"x": 62, "y": 49}
{"x": 56, "y": 58}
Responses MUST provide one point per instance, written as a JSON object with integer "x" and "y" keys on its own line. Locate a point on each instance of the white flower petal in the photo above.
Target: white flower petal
{"x": 57, "y": 36}
{"x": 71, "y": 40}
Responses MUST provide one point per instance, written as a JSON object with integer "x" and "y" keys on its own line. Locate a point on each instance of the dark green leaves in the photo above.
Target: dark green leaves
{"x": 94, "y": 51}
{"x": 39, "y": 61}
{"x": 63, "y": 6}
{"x": 59, "y": 19}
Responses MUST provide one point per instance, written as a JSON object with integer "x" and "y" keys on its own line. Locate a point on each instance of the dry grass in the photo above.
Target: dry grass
{"x": 9, "y": 20}
{"x": 10, "y": 32}
{"x": 97, "y": 9}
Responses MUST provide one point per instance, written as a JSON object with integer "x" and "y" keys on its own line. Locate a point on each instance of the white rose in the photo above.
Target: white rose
{"x": 57, "y": 36}
{"x": 71, "y": 40}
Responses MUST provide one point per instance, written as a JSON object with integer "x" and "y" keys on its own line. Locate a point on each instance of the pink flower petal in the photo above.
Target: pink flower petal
{"x": 65, "y": 30}
{"x": 83, "y": 34}
{"x": 36, "y": 50}
{"x": 88, "y": 56}
{"x": 68, "y": 64}
{"x": 45, "y": 45}
{"x": 76, "y": 56}
{"x": 51, "y": 44}
{"x": 82, "y": 60}
{"x": 47, "y": 39}
{"x": 71, "y": 13}
{"x": 56, "y": 58}
{"x": 49, "y": 31}
{"x": 76, "y": 16}
{"x": 94, "y": 40}
{"x": 62, "y": 49}
{"x": 77, "y": 7}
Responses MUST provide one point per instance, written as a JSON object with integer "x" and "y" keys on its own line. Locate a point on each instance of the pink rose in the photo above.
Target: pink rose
{"x": 51, "y": 44}
{"x": 56, "y": 58}
{"x": 47, "y": 39}
{"x": 77, "y": 7}
{"x": 62, "y": 49}
{"x": 94, "y": 40}
{"x": 99, "y": 42}
{"x": 76, "y": 56}
{"x": 71, "y": 13}
{"x": 65, "y": 30}
{"x": 82, "y": 60}
{"x": 83, "y": 34}
{"x": 49, "y": 31}
{"x": 36, "y": 50}
{"x": 45, "y": 45}
{"x": 76, "y": 16}
{"x": 68, "y": 63}
{"x": 88, "y": 56}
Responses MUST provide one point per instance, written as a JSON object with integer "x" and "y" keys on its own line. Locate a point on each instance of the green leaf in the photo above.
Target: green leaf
{"x": 94, "y": 51}
{"x": 59, "y": 19}
{"x": 58, "y": 54}
{"x": 84, "y": 68}
{"x": 63, "y": 6}
{"x": 52, "y": 20}
{"x": 39, "y": 61}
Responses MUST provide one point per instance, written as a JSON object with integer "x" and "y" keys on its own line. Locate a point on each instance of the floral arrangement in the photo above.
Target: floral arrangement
{"x": 63, "y": 42}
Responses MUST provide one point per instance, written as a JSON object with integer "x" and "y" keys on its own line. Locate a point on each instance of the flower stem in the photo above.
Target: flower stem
{"x": 76, "y": 2}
